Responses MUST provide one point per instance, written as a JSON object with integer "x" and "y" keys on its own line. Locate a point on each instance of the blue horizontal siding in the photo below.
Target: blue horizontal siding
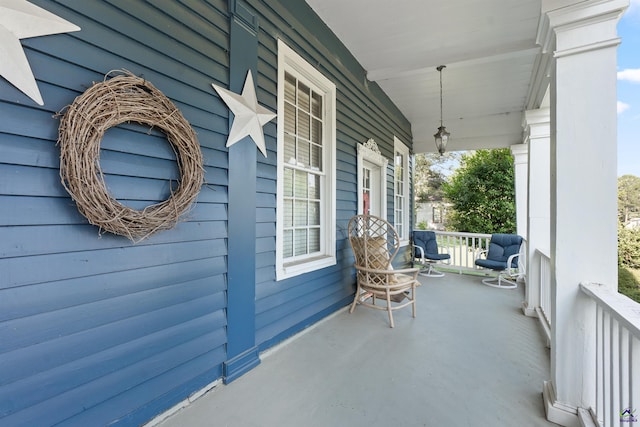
{"x": 95, "y": 330}
{"x": 45, "y": 297}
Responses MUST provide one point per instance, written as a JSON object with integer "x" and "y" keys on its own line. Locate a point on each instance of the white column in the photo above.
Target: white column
{"x": 520, "y": 163}
{"x": 537, "y": 129}
{"x": 583, "y": 191}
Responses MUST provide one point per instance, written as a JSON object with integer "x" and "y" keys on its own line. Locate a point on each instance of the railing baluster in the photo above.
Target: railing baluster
{"x": 614, "y": 358}
{"x": 599, "y": 361}
{"x": 623, "y": 369}
{"x": 463, "y": 248}
{"x": 634, "y": 372}
{"x": 617, "y": 356}
{"x": 606, "y": 413}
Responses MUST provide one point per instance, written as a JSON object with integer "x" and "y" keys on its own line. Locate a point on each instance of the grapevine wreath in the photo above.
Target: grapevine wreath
{"x": 125, "y": 98}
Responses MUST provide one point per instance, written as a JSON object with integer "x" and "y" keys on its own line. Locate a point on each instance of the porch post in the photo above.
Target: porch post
{"x": 583, "y": 191}
{"x": 538, "y": 228}
{"x": 520, "y": 163}
{"x": 242, "y": 352}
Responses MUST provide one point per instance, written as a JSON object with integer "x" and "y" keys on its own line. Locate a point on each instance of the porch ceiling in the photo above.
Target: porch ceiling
{"x": 495, "y": 70}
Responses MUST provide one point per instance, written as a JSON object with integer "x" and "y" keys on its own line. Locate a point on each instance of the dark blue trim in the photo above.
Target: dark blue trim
{"x": 241, "y": 364}
{"x": 241, "y": 275}
{"x": 243, "y": 15}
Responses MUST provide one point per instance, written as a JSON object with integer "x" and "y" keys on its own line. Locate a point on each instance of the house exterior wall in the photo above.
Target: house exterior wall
{"x": 95, "y": 329}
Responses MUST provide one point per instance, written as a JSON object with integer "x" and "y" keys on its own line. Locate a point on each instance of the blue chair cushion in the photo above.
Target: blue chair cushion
{"x": 501, "y": 247}
{"x": 427, "y": 241}
{"x": 493, "y": 265}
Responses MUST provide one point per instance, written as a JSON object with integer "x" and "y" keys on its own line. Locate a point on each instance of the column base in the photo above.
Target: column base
{"x": 528, "y": 311}
{"x": 239, "y": 365}
{"x": 558, "y": 412}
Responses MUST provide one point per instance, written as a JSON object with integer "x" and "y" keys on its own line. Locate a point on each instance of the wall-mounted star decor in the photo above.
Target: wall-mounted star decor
{"x": 249, "y": 115}
{"x": 20, "y": 19}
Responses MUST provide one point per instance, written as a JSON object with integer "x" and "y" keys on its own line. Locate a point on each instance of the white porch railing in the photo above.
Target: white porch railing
{"x": 463, "y": 248}
{"x": 544, "y": 275}
{"x": 617, "y": 364}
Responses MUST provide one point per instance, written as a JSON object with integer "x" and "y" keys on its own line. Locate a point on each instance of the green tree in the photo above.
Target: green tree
{"x": 430, "y": 174}
{"x": 482, "y": 193}
{"x": 628, "y": 197}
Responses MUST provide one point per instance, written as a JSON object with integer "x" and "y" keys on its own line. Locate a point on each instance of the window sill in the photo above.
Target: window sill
{"x": 293, "y": 269}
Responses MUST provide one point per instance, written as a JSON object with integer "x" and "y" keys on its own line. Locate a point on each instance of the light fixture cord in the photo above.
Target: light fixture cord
{"x": 440, "y": 97}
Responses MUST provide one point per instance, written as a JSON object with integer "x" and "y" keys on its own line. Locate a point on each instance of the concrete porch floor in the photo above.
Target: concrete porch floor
{"x": 469, "y": 358}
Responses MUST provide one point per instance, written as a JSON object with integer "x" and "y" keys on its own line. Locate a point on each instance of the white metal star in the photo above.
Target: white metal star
{"x": 20, "y": 19}
{"x": 249, "y": 115}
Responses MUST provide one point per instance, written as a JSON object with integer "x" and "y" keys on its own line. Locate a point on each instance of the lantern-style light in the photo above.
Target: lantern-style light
{"x": 442, "y": 136}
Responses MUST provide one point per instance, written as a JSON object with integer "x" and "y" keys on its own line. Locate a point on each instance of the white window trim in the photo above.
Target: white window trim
{"x": 370, "y": 152}
{"x": 291, "y": 62}
{"x": 399, "y": 146}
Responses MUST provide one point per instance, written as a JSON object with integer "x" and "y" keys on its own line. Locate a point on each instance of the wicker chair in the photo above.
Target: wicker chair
{"x": 375, "y": 244}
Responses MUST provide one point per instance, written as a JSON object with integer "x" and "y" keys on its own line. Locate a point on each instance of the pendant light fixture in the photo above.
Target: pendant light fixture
{"x": 442, "y": 136}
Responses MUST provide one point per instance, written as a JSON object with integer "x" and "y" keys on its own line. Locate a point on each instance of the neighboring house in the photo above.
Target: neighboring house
{"x": 95, "y": 329}
{"x": 633, "y": 223}
{"x": 433, "y": 214}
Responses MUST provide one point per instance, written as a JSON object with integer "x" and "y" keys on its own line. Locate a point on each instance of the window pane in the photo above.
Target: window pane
{"x": 304, "y": 127}
{"x": 316, "y": 131}
{"x": 300, "y": 216}
{"x": 289, "y": 88}
{"x": 314, "y": 240}
{"x": 288, "y": 213}
{"x": 314, "y": 186}
{"x": 304, "y": 153}
{"x": 301, "y": 242}
{"x": 316, "y": 157}
{"x": 288, "y": 182}
{"x": 289, "y": 149}
{"x": 287, "y": 243}
{"x": 289, "y": 119}
{"x": 303, "y": 97}
{"x": 316, "y": 105}
{"x": 314, "y": 213}
{"x": 301, "y": 184}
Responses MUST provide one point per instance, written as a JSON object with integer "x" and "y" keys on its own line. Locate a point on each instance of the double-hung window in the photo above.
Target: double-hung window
{"x": 401, "y": 190}
{"x": 305, "y": 231}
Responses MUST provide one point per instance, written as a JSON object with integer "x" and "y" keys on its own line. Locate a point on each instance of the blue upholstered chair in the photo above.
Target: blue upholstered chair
{"x": 502, "y": 257}
{"x": 427, "y": 253}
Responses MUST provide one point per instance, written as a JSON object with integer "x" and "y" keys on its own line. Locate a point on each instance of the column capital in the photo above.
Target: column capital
{"x": 537, "y": 123}
{"x": 580, "y": 26}
{"x": 520, "y": 153}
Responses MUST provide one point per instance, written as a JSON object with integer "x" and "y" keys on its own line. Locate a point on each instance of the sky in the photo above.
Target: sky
{"x": 629, "y": 92}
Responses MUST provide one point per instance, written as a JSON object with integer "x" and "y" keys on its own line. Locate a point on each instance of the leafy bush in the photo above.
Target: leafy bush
{"x": 628, "y": 284}
{"x": 422, "y": 225}
{"x": 628, "y": 247}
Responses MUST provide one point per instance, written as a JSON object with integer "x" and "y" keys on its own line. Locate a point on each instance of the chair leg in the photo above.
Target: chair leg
{"x": 355, "y": 299}
{"x": 389, "y": 309}
{"x": 431, "y": 272}
{"x": 500, "y": 282}
{"x": 413, "y": 300}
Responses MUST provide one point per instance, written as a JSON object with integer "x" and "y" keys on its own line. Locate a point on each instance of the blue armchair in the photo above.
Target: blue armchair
{"x": 502, "y": 256}
{"x": 427, "y": 253}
